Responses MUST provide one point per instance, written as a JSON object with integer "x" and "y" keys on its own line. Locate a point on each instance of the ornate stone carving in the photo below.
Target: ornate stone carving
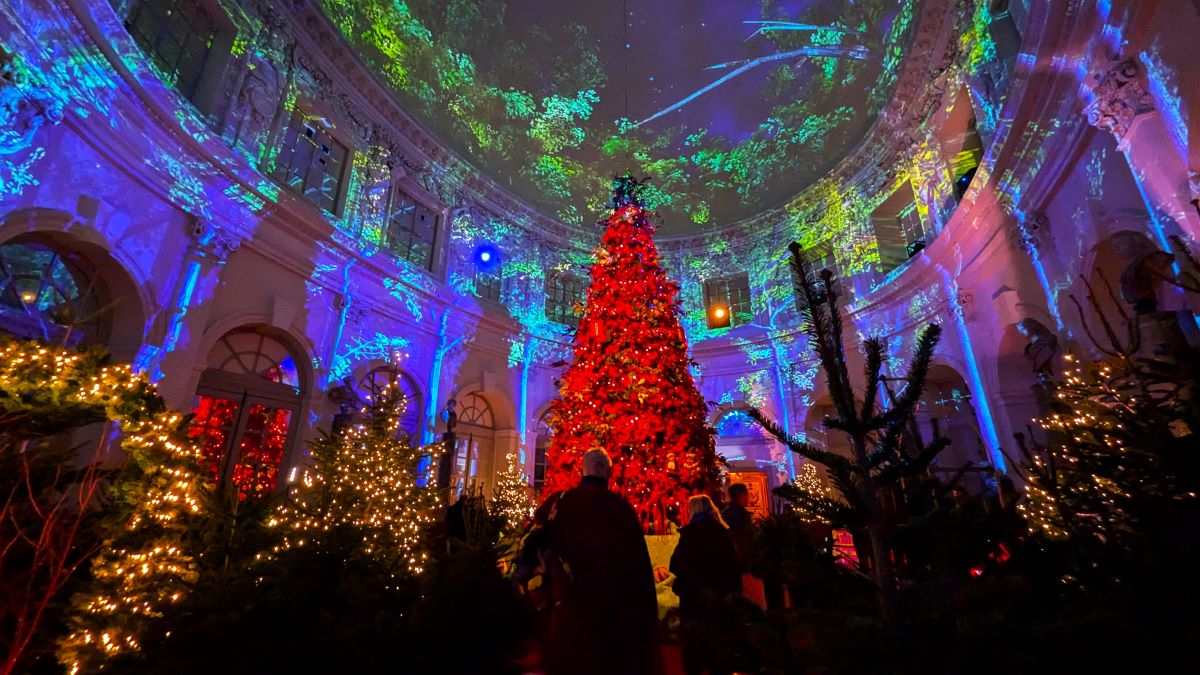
{"x": 1032, "y": 233}
{"x": 212, "y": 241}
{"x": 1120, "y": 97}
{"x": 1041, "y": 349}
{"x": 964, "y": 305}
{"x": 25, "y": 105}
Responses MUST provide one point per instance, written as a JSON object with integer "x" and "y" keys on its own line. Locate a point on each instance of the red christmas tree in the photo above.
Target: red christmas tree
{"x": 629, "y": 390}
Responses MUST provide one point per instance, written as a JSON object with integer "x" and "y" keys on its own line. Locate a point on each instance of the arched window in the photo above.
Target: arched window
{"x": 475, "y": 410}
{"x": 386, "y": 380}
{"x": 540, "y": 448}
{"x": 476, "y": 439}
{"x": 50, "y": 295}
{"x": 736, "y": 423}
{"x": 246, "y": 409}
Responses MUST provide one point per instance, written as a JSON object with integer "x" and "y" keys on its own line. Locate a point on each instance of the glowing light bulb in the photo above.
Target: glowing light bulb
{"x": 28, "y": 297}
{"x": 719, "y": 312}
{"x": 485, "y": 256}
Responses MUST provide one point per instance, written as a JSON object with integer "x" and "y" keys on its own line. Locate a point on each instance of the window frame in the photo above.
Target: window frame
{"x": 302, "y": 111}
{"x": 207, "y": 89}
{"x": 414, "y": 194}
{"x": 722, "y": 288}
{"x": 560, "y": 313}
{"x": 92, "y": 296}
{"x": 498, "y": 297}
{"x": 366, "y": 387}
{"x": 247, "y": 391}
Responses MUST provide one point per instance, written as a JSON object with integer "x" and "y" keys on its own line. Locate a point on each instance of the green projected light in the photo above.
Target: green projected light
{"x": 543, "y": 95}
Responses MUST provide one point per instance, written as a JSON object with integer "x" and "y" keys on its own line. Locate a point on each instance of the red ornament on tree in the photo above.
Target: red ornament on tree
{"x": 628, "y": 388}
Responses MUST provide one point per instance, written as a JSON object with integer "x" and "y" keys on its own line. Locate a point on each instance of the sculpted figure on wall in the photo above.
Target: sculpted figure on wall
{"x": 25, "y": 107}
{"x": 1041, "y": 349}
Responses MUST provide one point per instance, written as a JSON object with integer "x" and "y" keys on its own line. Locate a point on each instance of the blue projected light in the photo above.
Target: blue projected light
{"x": 486, "y": 257}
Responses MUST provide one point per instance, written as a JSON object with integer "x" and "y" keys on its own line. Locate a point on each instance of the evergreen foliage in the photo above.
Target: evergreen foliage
{"x": 362, "y": 496}
{"x": 629, "y": 388}
{"x": 885, "y": 451}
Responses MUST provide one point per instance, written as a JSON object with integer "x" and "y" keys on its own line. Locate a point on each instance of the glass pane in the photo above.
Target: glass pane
{"x": 212, "y": 428}
{"x": 260, "y": 453}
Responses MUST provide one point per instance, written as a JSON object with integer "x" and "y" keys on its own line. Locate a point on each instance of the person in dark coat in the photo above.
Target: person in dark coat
{"x": 606, "y": 619}
{"x": 740, "y": 522}
{"x": 706, "y": 572}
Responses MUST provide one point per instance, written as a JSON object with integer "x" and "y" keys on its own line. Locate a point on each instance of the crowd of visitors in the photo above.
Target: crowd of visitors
{"x": 598, "y": 586}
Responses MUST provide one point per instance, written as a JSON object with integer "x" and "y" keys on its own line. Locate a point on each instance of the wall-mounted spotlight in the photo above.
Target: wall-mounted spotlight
{"x": 718, "y": 315}
{"x": 486, "y": 257}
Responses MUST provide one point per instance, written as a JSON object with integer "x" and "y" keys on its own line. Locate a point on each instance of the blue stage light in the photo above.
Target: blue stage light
{"x": 486, "y": 257}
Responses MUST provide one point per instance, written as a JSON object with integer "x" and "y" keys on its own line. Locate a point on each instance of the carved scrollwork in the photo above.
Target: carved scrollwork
{"x": 26, "y": 105}
{"x": 212, "y": 241}
{"x": 1120, "y": 97}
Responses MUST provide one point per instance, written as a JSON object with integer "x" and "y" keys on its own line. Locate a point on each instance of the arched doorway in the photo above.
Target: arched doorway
{"x": 247, "y": 408}
{"x": 747, "y": 450}
{"x": 53, "y": 295}
{"x": 391, "y": 380}
{"x": 948, "y": 400}
{"x": 475, "y": 446}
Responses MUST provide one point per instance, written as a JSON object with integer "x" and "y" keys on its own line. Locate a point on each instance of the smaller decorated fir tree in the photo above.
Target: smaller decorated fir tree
{"x": 147, "y": 565}
{"x": 361, "y": 498}
{"x": 811, "y": 499}
{"x": 512, "y": 500}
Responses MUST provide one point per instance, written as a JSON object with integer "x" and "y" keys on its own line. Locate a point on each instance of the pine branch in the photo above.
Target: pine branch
{"x": 830, "y": 459}
{"x": 824, "y": 331}
{"x": 918, "y": 370}
{"x": 873, "y": 370}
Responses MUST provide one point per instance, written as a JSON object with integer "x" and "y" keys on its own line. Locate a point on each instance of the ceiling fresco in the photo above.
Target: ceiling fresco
{"x": 731, "y": 107}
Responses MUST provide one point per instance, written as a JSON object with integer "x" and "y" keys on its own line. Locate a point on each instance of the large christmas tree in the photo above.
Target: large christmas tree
{"x": 629, "y": 390}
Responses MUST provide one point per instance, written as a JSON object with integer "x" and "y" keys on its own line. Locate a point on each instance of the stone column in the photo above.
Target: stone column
{"x": 174, "y": 359}
{"x": 1122, "y": 105}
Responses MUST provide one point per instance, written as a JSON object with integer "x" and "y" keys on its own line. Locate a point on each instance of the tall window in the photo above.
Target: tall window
{"x": 178, "y": 36}
{"x": 412, "y": 230}
{"x": 489, "y": 285}
{"x": 899, "y": 232}
{"x": 540, "y": 449}
{"x": 476, "y": 436}
{"x": 51, "y": 296}
{"x": 312, "y": 162}
{"x": 734, "y": 292}
{"x": 563, "y": 293}
{"x": 246, "y": 407}
{"x": 820, "y": 257}
{"x": 391, "y": 381}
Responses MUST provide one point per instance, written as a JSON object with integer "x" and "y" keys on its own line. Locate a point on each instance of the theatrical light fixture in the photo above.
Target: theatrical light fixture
{"x": 718, "y": 316}
{"x": 486, "y": 257}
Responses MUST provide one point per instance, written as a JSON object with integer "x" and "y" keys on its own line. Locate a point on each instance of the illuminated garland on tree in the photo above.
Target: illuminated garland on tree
{"x": 1119, "y": 436}
{"x": 513, "y": 497}
{"x": 810, "y": 482}
{"x": 144, "y": 566}
{"x": 363, "y": 483}
{"x": 629, "y": 389}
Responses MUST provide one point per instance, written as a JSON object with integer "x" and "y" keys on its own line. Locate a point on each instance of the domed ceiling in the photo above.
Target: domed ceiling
{"x": 732, "y": 107}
